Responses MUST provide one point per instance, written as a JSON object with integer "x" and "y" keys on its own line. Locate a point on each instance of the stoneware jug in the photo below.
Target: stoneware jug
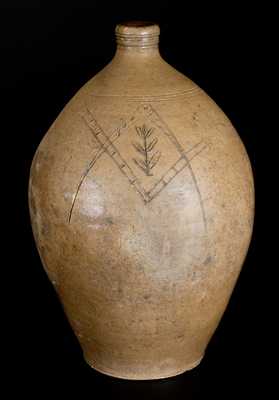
{"x": 141, "y": 200}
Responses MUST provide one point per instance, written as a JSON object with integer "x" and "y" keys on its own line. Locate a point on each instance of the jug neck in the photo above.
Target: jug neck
{"x": 137, "y": 38}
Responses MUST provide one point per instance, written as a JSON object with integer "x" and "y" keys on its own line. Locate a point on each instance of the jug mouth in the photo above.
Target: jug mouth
{"x": 137, "y": 34}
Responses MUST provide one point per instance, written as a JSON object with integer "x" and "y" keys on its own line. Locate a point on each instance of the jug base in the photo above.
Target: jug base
{"x": 145, "y": 376}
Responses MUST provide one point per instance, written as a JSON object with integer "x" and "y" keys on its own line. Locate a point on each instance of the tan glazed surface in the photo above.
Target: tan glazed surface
{"x": 141, "y": 199}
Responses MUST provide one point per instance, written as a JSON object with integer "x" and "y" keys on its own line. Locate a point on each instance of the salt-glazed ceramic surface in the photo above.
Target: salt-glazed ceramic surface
{"x": 141, "y": 199}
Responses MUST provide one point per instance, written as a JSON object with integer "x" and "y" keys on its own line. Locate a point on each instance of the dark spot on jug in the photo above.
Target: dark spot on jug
{"x": 208, "y": 260}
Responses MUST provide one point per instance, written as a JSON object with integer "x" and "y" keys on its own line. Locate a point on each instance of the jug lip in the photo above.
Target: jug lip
{"x": 137, "y": 34}
{"x": 138, "y": 28}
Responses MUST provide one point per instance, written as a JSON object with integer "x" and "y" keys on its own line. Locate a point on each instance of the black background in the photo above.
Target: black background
{"x": 48, "y": 51}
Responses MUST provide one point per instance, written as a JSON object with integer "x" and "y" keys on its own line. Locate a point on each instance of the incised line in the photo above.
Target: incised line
{"x": 107, "y": 146}
{"x": 183, "y": 154}
{"x": 100, "y": 151}
{"x": 91, "y": 164}
{"x": 112, "y": 151}
{"x": 152, "y": 98}
{"x": 162, "y": 183}
{"x": 145, "y": 150}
